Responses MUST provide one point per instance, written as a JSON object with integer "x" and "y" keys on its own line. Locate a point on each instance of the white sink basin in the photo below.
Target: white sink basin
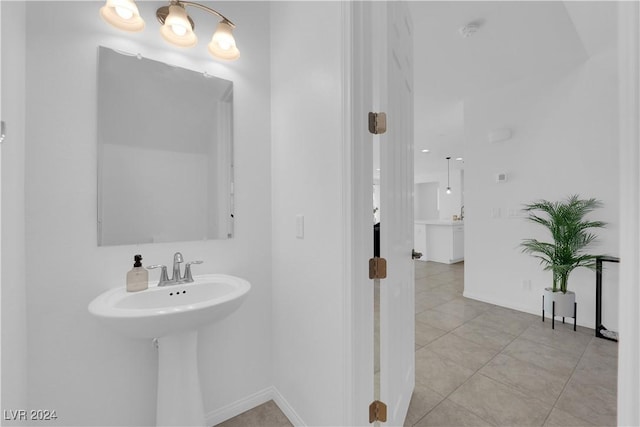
{"x": 173, "y": 314}
{"x": 161, "y": 311}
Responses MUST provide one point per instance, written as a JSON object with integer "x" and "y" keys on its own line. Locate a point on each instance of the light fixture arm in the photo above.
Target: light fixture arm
{"x": 206, "y": 9}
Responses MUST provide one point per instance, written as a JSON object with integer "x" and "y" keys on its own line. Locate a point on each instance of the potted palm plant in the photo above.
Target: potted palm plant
{"x": 571, "y": 235}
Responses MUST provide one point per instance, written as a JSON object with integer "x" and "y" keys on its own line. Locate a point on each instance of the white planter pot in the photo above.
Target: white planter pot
{"x": 565, "y": 303}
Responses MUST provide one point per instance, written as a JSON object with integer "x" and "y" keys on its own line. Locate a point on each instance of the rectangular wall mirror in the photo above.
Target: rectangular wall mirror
{"x": 165, "y": 152}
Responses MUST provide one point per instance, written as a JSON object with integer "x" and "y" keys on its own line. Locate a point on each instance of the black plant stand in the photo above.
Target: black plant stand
{"x": 553, "y": 314}
{"x": 599, "y": 327}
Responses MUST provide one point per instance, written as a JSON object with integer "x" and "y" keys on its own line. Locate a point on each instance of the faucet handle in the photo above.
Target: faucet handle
{"x": 164, "y": 277}
{"x": 188, "y": 278}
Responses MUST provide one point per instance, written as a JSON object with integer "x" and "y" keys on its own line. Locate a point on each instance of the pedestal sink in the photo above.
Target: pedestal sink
{"x": 173, "y": 314}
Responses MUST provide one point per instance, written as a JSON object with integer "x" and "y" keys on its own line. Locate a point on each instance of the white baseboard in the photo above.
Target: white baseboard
{"x": 233, "y": 409}
{"x": 507, "y": 304}
{"x": 287, "y": 409}
{"x": 219, "y": 415}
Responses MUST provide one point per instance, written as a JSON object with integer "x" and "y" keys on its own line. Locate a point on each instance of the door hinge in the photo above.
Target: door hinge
{"x": 377, "y": 411}
{"x": 377, "y": 123}
{"x": 377, "y": 268}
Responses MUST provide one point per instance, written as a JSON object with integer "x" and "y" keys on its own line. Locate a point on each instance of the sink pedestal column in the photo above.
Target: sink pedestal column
{"x": 179, "y": 394}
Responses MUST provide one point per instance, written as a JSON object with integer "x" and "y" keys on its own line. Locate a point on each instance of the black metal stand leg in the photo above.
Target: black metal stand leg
{"x": 575, "y": 315}
{"x": 562, "y": 319}
{"x": 543, "y": 308}
{"x": 553, "y": 314}
{"x": 598, "y": 297}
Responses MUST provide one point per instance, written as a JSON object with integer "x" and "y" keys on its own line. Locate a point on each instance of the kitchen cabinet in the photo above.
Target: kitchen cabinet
{"x": 440, "y": 241}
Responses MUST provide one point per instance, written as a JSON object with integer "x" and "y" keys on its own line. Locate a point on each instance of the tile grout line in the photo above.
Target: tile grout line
{"x": 450, "y": 393}
{"x": 479, "y": 373}
{"x": 567, "y": 382}
{"x": 530, "y": 323}
{"x": 481, "y": 367}
{"x": 475, "y": 372}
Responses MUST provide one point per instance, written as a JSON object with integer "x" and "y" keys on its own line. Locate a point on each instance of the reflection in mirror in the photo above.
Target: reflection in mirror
{"x": 165, "y": 152}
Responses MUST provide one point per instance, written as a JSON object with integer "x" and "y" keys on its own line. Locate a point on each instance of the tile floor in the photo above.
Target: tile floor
{"x": 265, "y": 415}
{"x": 482, "y": 365}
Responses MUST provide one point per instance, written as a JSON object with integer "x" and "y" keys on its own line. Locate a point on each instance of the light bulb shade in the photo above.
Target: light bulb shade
{"x": 222, "y": 44}
{"x": 122, "y": 14}
{"x": 177, "y": 29}
{"x": 448, "y": 190}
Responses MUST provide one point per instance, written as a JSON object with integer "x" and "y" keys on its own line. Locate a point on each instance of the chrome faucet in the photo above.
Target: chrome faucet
{"x": 176, "y": 277}
{"x": 177, "y": 259}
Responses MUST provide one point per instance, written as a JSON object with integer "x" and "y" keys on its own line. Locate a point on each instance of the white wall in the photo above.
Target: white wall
{"x": 449, "y": 204}
{"x": 90, "y": 375}
{"x": 14, "y": 326}
{"x": 308, "y": 284}
{"x": 565, "y": 142}
{"x": 426, "y": 201}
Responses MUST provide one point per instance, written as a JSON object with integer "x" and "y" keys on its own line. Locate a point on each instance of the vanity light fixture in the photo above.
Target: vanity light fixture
{"x": 448, "y": 191}
{"x": 177, "y": 26}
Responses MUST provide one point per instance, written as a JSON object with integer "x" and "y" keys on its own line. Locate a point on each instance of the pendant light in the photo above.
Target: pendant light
{"x": 177, "y": 26}
{"x": 448, "y": 191}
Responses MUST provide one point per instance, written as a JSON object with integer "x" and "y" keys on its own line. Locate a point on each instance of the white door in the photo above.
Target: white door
{"x": 393, "y": 89}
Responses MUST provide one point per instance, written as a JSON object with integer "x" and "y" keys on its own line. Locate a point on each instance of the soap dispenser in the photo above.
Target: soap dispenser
{"x": 138, "y": 277}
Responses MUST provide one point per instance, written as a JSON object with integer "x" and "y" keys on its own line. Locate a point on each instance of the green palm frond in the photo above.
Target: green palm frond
{"x": 570, "y": 232}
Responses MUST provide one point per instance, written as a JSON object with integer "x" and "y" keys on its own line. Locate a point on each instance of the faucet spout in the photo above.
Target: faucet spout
{"x": 177, "y": 259}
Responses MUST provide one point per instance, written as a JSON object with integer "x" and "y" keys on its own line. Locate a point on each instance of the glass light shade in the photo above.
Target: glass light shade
{"x": 177, "y": 28}
{"x": 222, "y": 44}
{"x": 448, "y": 190}
{"x": 122, "y": 14}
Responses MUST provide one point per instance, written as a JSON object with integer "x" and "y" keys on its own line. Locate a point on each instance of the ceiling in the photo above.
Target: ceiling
{"x": 515, "y": 40}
